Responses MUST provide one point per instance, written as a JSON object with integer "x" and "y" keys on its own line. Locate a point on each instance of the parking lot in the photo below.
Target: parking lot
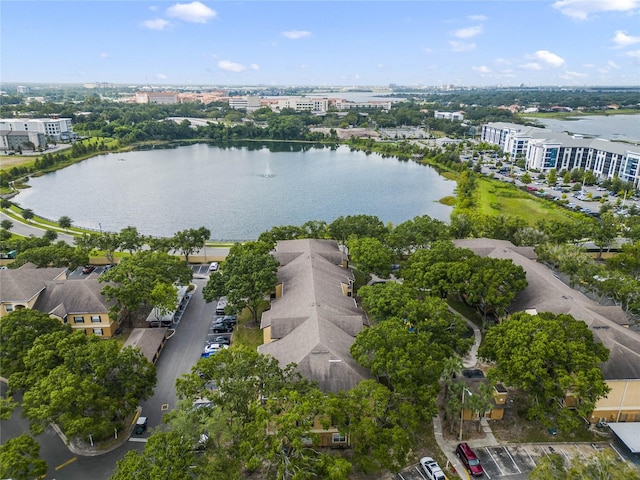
{"x": 515, "y": 462}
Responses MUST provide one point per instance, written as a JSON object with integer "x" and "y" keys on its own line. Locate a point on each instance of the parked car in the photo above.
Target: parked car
{"x": 213, "y": 267}
{"x": 222, "y": 340}
{"x": 88, "y": 269}
{"x": 469, "y": 459}
{"x": 230, "y": 319}
{"x": 431, "y": 469}
{"x": 141, "y": 425}
{"x": 222, "y": 328}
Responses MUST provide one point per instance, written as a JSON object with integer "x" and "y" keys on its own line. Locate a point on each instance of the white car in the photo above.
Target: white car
{"x": 213, "y": 267}
{"x": 432, "y": 469}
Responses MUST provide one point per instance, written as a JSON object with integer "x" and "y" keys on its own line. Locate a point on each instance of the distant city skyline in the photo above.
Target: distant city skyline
{"x": 322, "y": 43}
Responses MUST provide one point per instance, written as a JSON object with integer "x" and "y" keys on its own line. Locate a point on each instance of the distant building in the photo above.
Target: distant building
{"x": 453, "y": 116}
{"x": 301, "y": 104}
{"x": 545, "y": 150}
{"x": 164, "y": 98}
{"x": 23, "y": 90}
{"x": 54, "y": 128}
{"x": 340, "y": 104}
{"x": 248, "y": 103}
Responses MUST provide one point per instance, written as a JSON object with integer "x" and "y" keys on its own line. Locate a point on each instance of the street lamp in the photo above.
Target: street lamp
{"x": 462, "y": 409}
{"x": 100, "y": 227}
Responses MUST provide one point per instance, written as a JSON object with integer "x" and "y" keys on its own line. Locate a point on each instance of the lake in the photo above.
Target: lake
{"x": 236, "y": 192}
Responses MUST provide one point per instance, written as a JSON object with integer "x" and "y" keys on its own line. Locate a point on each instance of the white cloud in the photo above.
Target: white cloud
{"x": 481, "y": 69}
{"x": 254, "y": 66}
{"x": 478, "y": 18}
{"x": 568, "y": 75}
{"x": 583, "y": 9}
{"x": 613, "y": 65}
{"x": 380, "y": 65}
{"x": 548, "y": 58}
{"x": 633, "y": 54}
{"x": 502, "y": 61}
{"x": 161, "y": 76}
{"x": 468, "y": 32}
{"x": 104, "y": 55}
{"x": 194, "y": 12}
{"x": 461, "y": 46}
{"x": 230, "y": 66}
{"x": 296, "y": 34}
{"x": 623, "y": 40}
{"x": 531, "y": 66}
{"x": 153, "y": 8}
{"x": 155, "y": 24}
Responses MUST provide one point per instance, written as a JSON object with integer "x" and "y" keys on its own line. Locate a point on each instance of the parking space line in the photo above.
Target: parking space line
{"x": 529, "y": 455}
{"x": 514, "y": 462}
{"x": 420, "y": 472}
{"x": 494, "y": 461}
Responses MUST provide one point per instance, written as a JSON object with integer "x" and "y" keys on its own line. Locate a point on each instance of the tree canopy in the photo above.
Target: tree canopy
{"x": 549, "y": 357}
{"x": 247, "y": 275}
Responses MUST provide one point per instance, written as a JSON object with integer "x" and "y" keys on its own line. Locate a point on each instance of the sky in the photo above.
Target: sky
{"x": 322, "y": 43}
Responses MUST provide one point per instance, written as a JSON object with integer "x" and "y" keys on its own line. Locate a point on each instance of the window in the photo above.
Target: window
{"x": 78, "y": 319}
{"x": 96, "y": 319}
{"x": 97, "y": 331}
{"x": 339, "y": 438}
{"x": 8, "y": 307}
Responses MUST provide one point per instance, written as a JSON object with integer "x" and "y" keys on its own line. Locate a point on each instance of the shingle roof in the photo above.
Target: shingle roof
{"x": 313, "y": 322}
{"x": 547, "y": 293}
{"x": 22, "y": 284}
{"x": 73, "y": 297}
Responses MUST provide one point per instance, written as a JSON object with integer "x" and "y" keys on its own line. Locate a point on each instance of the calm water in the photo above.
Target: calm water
{"x": 229, "y": 190}
{"x": 610, "y": 127}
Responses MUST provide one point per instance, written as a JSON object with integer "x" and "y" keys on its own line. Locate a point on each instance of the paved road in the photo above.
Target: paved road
{"x": 29, "y": 229}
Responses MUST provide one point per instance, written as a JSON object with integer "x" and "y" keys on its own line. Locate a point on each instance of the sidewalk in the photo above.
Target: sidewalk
{"x": 86, "y": 449}
{"x": 448, "y": 448}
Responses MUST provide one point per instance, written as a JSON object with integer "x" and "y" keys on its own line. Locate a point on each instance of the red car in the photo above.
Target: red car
{"x": 469, "y": 459}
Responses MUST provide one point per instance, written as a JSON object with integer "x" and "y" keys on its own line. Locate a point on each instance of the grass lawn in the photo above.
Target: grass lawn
{"x": 501, "y": 198}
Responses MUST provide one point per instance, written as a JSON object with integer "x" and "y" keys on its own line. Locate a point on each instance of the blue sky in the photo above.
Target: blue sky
{"x": 341, "y": 43}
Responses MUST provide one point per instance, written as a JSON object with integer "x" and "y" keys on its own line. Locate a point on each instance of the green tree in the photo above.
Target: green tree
{"x": 18, "y": 332}
{"x": 282, "y": 232}
{"x": 370, "y": 255}
{"x": 7, "y": 406}
{"x": 385, "y": 300}
{"x": 416, "y": 234}
{"x": 249, "y": 273}
{"x": 65, "y": 222}
{"x": 82, "y": 383}
{"x": 566, "y": 178}
{"x": 360, "y": 225}
{"x": 466, "y": 190}
{"x": 548, "y": 356}
{"x": 191, "y": 240}
{"x": 552, "y": 178}
{"x": 605, "y": 231}
{"x": 378, "y": 423}
{"x": 131, "y": 240}
{"x": 134, "y": 279}
{"x": 526, "y": 178}
{"x": 50, "y": 235}
{"x": 6, "y": 224}
{"x": 27, "y": 214}
{"x": 108, "y": 242}
{"x": 20, "y": 459}
{"x": 165, "y": 457}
